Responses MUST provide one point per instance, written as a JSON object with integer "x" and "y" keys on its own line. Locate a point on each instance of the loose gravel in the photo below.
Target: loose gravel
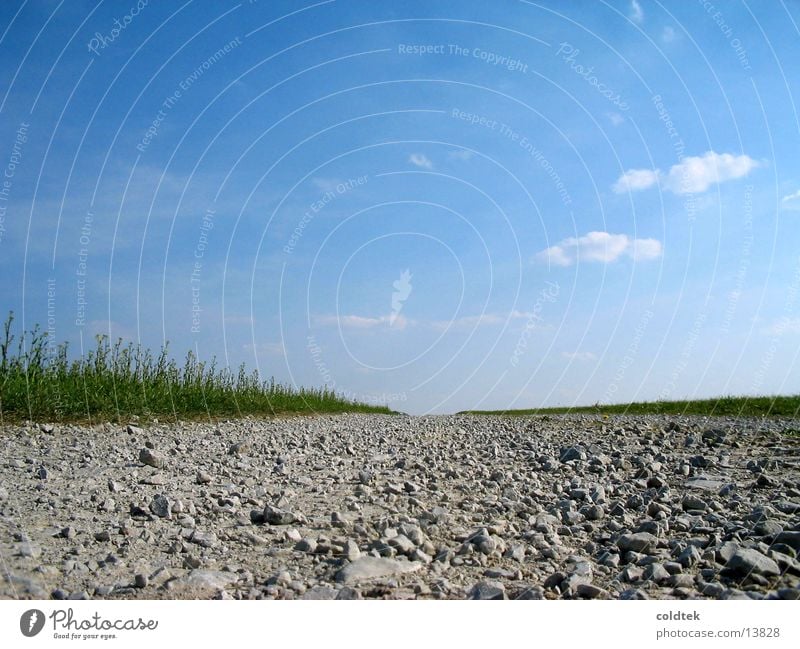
{"x": 374, "y": 506}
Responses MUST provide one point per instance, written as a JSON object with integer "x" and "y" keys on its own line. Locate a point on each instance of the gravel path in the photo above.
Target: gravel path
{"x": 366, "y": 506}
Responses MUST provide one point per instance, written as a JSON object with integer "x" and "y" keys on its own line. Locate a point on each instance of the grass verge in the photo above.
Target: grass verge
{"x": 761, "y": 406}
{"x": 121, "y": 382}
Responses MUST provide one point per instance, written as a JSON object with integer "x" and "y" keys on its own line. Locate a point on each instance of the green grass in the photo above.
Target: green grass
{"x": 776, "y": 406}
{"x": 121, "y": 382}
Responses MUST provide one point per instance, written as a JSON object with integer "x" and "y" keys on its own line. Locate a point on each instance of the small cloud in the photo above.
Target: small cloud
{"x": 600, "y": 247}
{"x": 791, "y": 198}
{"x": 635, "y": 179}
{"x": 668, "y": 34}
{"x": 644, "y": 249}
{"x": 636, "y": 14}
{"x": 783, "y": 326}
{"x": 615, "y": 118}
{"x": 460, "y": 154}
{"x": 471, "y": 321}
{"x": 420, "y": 160}
{"x": 693, "y": 175}
{"x": 363, "y": 322}
{"x": 325, "y": 184}
{"x": 579, "y": 356}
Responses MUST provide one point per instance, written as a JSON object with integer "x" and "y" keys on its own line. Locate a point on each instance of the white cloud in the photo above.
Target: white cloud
{"x": 668, "y": 34}
{"x": 636, "y": 13}
{"x": 783, "y": 326}
{"x": 579, "y": 356}
{"x": 363, "y": 322}
{"x": 400, "y": 322}
{"x": 615, "y": 118}
{"x": 600, "y": 247}
{"x": 791, "y": 198}
{"x": 420, "y": 160}
{"x": 693, "y": 175}
{"x": 635, "y": 180}
{"x": 325, "y": 184}
{"x": 460, "y": 154}
{"x": 696, "y": 174}
{"x": 470, "y": 321}
{"x": 644, "y": 249}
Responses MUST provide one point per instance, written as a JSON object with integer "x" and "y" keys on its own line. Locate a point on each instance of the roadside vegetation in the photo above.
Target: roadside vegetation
{"x": 120, "y": 382}
{"x": 760, "y": 406}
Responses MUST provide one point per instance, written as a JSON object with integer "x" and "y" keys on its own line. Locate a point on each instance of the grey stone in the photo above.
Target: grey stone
{"x": 347, "y": 593}
{"x": 638, "y": 542}
{"x": 590, "y": 591}
{"x": 726, "y": 551}
{"x": 792, "y": 539}
{"x": 402, "y": 544}
{"x": 204, "y": 539}
{"x": 705, "y": 484}
{"x": 657, "y": 573}
{"x": 789, "y": 593}
{"x": 367, "y": 568}
{"x": 306, "y": 545}
{"x": 161, "y": 506}
{"x": 570, "y": 453}
{"x": 689, "y": 556}
{"x": 152, "y": 458}
{"x": 29, "y": 550}
{"x": 767, "y": 528}
{"x": 351, "y": 550}
{"x": 487, "y": 590}
{"x": 692, "y": 502}
{"x": 238, "y": 448}
{"x": 277, "y": 516}
{"x": 203, "y": 582}
{"x": 747, "y": 561}
{"x": 320, "y": 592}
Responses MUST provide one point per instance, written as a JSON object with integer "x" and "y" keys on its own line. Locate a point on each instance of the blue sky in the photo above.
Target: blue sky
{"x": 436, "y": 205}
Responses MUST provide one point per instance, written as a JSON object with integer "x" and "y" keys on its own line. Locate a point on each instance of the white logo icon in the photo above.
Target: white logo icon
{"x": 402, "y": 289}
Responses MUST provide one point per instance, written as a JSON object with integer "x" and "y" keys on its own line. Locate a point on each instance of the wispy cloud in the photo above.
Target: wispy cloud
{"x": 420, "y": 160}
{"x": 579, "y": 356}
{"x": 783, "y": 326}
{"x": 635, "y": 179}
{"x": 693, "y": 175}
{"x": 460, "y": 154}
{"x": 636, "y": 14}
{"x": 615, "y": 118}
{"x": 668, "y": 34}
{"x": 325, "y": 184}
{"x": 351, "y": 321}
{"x": 601, "y": 247}
{"x": 792, "y": 200}
{"x": 482, "y": 319}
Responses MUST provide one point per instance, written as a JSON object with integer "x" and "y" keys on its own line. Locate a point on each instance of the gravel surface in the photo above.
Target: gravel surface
{"x": 367, "y": 506}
